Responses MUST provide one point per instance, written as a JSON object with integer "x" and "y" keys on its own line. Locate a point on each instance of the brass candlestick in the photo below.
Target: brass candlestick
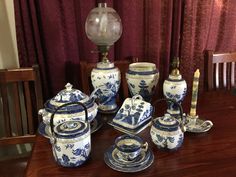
{"x": 194, "y": 94}
{"x": 194, "y": 124}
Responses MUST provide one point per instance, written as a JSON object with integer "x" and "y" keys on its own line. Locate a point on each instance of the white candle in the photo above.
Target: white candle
{"x": 194, "y": 93}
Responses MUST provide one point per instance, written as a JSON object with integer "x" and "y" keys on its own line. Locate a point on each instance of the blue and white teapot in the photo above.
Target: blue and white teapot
{"x": 166, "y": 131}
{"x": 71, "y": 140}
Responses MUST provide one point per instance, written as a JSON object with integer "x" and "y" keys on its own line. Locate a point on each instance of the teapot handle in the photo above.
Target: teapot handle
{"x": 64, "y": 105}
{"x": 173, "y": 101}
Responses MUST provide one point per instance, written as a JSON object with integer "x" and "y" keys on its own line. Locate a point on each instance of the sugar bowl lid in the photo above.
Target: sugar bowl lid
{"x": 166, "y": 123}
{"x": 71, "y": 129}
{"x": 68, "y": 95}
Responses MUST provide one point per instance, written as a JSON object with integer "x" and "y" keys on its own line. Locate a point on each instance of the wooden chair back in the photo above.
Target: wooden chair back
{"x": 21, "y": 97}
{"x": 220, "y": 69}
{"x": 123, "y": 65}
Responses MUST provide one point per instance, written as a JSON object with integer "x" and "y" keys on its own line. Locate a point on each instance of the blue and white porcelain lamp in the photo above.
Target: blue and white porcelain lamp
{"x": 175, "y": 88}
{"x": 103, "y": 27}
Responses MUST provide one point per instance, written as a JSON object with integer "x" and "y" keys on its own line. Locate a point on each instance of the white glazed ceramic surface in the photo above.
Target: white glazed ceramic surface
{"x": 59, "y": 118}
{"x": 142, "y": 79}
{"x": 130, "y": 147}
{"x": 107, "y": 79}
{"x": 166, "y": 132}
{"x": 133, "y": 112}
{"x": 68, "y": 95}
{"x": 72, "y": 152}
{"x": 167, "y": 140}
{"x": 174, "y": 88}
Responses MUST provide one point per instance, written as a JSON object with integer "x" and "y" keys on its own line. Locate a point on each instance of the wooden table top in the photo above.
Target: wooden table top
{"x": 210, "y": 154}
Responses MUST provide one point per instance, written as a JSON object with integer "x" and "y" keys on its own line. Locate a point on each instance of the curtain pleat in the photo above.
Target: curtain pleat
{"x": 52, "y": 34}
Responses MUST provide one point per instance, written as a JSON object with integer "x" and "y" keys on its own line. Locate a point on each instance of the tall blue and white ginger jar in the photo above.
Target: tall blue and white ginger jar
{"x": 142, "y": 78}
{"x": 106, "y": 78}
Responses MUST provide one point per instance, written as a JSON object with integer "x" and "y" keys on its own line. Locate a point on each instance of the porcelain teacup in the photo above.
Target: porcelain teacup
{"x": 129, "y": 147}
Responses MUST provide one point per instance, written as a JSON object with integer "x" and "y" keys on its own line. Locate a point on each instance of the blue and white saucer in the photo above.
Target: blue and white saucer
{"x": 143, "y": 161}
{"x": 45, "y": 131}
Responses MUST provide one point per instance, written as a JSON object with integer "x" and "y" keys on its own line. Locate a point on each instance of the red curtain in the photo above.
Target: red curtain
{"x": 207, "y": 25}
{"x": 52, "y": 34}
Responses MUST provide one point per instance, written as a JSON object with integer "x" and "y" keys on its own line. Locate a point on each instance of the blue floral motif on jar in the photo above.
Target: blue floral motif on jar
{"x": 106, "y": 77}
{"x": 142, "y": 78}
{"x": 180, "y": 141}
{"x": 144, "y": 90}
{"x": 70, "y": 146}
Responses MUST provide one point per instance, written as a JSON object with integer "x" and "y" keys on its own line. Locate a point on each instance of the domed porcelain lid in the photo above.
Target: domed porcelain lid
{"x": 166, "y": 123}
{"x": 71, "y": 129}
{"x": 68, "y": 95}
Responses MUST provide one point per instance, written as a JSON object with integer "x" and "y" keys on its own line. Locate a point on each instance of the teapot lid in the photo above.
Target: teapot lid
{"x": 166, "y": 123}
{"x": 71, "y": 129}
{"x": 67, "y": 95}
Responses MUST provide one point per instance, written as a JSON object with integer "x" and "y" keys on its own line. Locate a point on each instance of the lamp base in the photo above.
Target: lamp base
{"x": 106, "y": 78}
{"x": 108, "y": 107}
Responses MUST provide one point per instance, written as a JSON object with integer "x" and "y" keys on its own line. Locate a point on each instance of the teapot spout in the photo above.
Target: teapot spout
{"x": 183, "y": 128}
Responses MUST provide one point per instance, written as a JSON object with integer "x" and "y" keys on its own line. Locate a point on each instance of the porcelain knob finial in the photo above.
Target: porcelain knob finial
{"x": 68, "y": 86}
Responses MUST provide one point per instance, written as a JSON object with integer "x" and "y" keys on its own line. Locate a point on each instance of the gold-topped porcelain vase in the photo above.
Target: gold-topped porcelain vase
{"x": 175, "y": 88}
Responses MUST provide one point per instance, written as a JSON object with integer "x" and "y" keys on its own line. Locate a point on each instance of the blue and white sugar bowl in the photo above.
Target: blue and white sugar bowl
{"x": 71, "y": 141}
{"x": 71, "y": 111}
{"x": 166, "y": 131}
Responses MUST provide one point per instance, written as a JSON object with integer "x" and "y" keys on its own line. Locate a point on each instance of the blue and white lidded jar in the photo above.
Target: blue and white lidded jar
{"x": 142, "y": 78}
{"x": 166, "y": 131}
{"x": 175, "y": 88}
{"x": 71, "y": 141}
{"x": 71, "y": 111}
{"x": 106, "y": 79}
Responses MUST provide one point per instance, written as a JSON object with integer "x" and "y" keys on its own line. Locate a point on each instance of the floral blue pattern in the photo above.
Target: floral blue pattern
{"x": 144, "y": 90}
{"x": 124, "y": 114}
{"x": 70, "y": 146}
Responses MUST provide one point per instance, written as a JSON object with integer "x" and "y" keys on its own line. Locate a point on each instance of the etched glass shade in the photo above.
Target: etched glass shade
{"x": 103, "y": 25}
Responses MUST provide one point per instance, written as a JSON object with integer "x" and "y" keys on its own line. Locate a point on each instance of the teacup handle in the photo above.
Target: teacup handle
{"x": 145, "y": 147}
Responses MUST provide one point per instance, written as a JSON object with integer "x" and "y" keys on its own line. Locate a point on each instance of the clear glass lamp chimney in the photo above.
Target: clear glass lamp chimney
{"x": 103, "y": 25}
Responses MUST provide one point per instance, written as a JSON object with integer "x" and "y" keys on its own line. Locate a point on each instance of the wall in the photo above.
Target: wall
{"x": 8, "y": 59}
{"x": 8, "y": 47}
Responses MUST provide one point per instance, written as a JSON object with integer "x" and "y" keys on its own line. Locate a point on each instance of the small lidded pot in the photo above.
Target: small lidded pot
{"x": 71, "y": 111}
{"x": 166, "y": 131}
{"x": 71, "y": 140}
